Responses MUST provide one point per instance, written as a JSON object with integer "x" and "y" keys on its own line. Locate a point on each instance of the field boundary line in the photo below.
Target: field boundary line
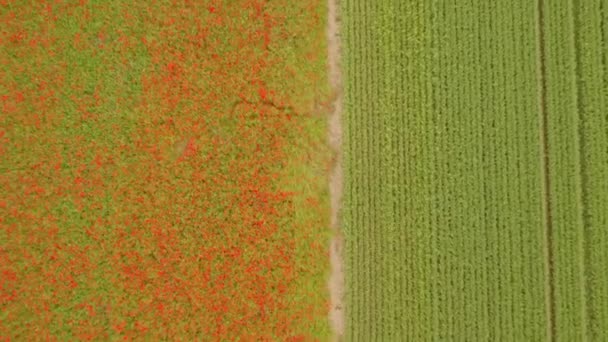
{"x": 544, "y": 170}
{"x": 336, "y": 182}
{"x": 582, "y": 178}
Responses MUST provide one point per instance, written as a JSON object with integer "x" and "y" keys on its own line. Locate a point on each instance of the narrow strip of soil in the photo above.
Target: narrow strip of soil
{"x": 549, "y": 265}
{"x": 336, "y": 279}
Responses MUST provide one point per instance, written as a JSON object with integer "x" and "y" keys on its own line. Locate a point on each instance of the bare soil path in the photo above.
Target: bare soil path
{"x": 336, "y": 279}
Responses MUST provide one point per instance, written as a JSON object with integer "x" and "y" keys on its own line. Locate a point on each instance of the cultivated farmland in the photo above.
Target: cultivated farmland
{"x": 164, "y": 168}
{"x": 476, "y": 170}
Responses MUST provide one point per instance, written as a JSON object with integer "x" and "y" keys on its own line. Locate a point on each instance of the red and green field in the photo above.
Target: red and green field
{"x": 163, "y": 170}
{"x": 171, "y": 170}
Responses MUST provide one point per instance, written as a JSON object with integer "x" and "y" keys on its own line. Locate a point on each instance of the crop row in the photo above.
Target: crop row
{"x": 573, "y": 41}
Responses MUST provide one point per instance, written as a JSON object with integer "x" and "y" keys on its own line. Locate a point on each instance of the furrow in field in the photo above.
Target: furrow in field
{"x": 377, "y": 181}
{"x": 350, "y": 208}
{"x": 481, "y": 274}
{"x": 530, "y": 242}
{"x": 495, "y": 136}
{"x": 435, "y": 183}
{"x": 477, "y": 290}
{"x": 488, "y": 170}
{"x": 581, "y": 102}
{"x": 544, "y": 170}
{"x": 428, "y": 122}
{"x": 367, "y": 210}
{"x": 384, "y": 168}
{"x": 564, "y": 171}
{"x": 403, "y": 284}
{"x": 441, "y": 276}
{"x": 593, "y": 163}
{"x": 390, "y": 110}
{"x": 426, "y": 175}
{"x": 366, "y": 113}
{"x": 421, "y": 135}
{"x": 383, "y": 115}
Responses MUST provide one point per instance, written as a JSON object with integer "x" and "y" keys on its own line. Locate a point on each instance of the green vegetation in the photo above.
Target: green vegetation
{"x": 476, "y": 194}
{"x": 577, "y": 130}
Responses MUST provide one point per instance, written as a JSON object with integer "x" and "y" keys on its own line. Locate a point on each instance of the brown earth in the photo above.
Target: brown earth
{"x": 336, "y": 248}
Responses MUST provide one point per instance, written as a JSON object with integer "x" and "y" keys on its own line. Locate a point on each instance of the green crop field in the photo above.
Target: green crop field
{"x": 476, "y": 170}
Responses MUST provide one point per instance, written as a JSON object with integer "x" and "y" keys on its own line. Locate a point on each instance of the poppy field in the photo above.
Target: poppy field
{"x": 163, "y": 170}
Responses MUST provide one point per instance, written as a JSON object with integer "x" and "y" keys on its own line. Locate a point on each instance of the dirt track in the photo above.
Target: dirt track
{"x": 336, "y": 279}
